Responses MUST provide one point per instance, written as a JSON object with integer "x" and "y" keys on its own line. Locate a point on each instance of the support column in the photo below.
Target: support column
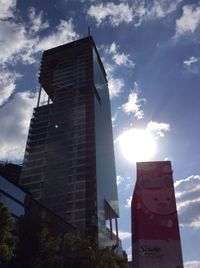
{"x": 111, "y": 232}
{"x": 39, "y": 95}
{"x": 116, "y": 227}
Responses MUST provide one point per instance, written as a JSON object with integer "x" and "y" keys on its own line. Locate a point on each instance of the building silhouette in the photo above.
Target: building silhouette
{"x": 155, "y": 230}
{"x": 10, "y": 171}
{"x": 69, "y": 159}
{"x": 20, "y": 203}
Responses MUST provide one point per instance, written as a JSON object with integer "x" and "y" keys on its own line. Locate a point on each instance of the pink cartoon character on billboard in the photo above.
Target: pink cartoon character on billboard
{"x": 155, "y": 230}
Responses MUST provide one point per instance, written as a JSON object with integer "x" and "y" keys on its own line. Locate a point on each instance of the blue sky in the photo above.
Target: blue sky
{"x": 150, "y": 49}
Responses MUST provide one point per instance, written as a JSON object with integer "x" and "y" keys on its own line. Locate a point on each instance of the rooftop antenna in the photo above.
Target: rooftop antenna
{"x": 89, "y": 32}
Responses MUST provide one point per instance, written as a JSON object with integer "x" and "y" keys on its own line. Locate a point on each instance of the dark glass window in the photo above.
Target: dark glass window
{"x": 12, "y": 190}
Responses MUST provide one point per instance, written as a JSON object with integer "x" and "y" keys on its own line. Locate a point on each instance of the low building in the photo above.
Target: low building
{"x": 10, "y": 171}
{"x": 19, "y": 202}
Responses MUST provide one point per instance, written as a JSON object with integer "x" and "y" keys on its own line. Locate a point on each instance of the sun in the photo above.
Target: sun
{"x": 137, "y": 145}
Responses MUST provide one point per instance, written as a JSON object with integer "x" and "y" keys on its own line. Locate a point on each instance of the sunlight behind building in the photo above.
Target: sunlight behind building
{"x": 137, "y": 145}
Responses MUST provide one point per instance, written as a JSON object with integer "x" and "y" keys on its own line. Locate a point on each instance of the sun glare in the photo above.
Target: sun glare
{"x": 137, "y": 145}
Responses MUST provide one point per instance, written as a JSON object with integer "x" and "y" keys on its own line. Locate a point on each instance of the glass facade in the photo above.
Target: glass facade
{"x": 105, "y": 164}
{"x": 69, "y": 158}
{"x": 20, "y": 203}
{"x": 12, "y": 197}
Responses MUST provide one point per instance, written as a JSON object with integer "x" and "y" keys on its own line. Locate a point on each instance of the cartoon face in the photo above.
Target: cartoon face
{"x": 159, "y": 201}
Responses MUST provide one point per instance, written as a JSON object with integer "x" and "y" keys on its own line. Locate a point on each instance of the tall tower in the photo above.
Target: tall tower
{"x": 155, "y": 231}
{"x": 69, "y": 159}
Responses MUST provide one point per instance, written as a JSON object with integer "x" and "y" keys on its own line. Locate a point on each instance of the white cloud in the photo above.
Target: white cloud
{"x": 7, "y": 84}
{"x": 192, "y": 264}
{"x": 114, "y": 118}
{"x": 158, "y": 128}
{"x": 37, "y": 20}
{"x": 189, "y": 21}
{"x": 133, "y": 105}
{"x": 116, "y": 14}
{"x": 190, "y": 61}
{"x": 14, "y": 120}
{"x": 7, "y": 8}
{"x": 14, "y": 41}
{"x": 123, "y": 59}
{"x": 161, "y": 8}
{"x": 83, "y": 1}
{"x": 128, "y": 202}
{"x": 192, "y": 65}
{"x": 150, "y": 10}
{"x": 124, "y": 235}
{"x": 64, "y": 33}
{"x": 18, "y": 44}
{"x": 113, "y": 48}
{"x": 120, "y": 59}
{"x": 138, "y": 12}
{"x": 125, "y": 182}
{"x": 115, "y": 85}
{"x": 119, "y": 179}
{"x": 188, "y": 201}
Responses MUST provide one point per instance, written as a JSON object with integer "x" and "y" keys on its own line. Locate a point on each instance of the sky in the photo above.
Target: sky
{"x": 151, "y": 53}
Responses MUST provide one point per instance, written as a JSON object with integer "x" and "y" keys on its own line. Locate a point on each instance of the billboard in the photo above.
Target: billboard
{"x": 155, "y": 230}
